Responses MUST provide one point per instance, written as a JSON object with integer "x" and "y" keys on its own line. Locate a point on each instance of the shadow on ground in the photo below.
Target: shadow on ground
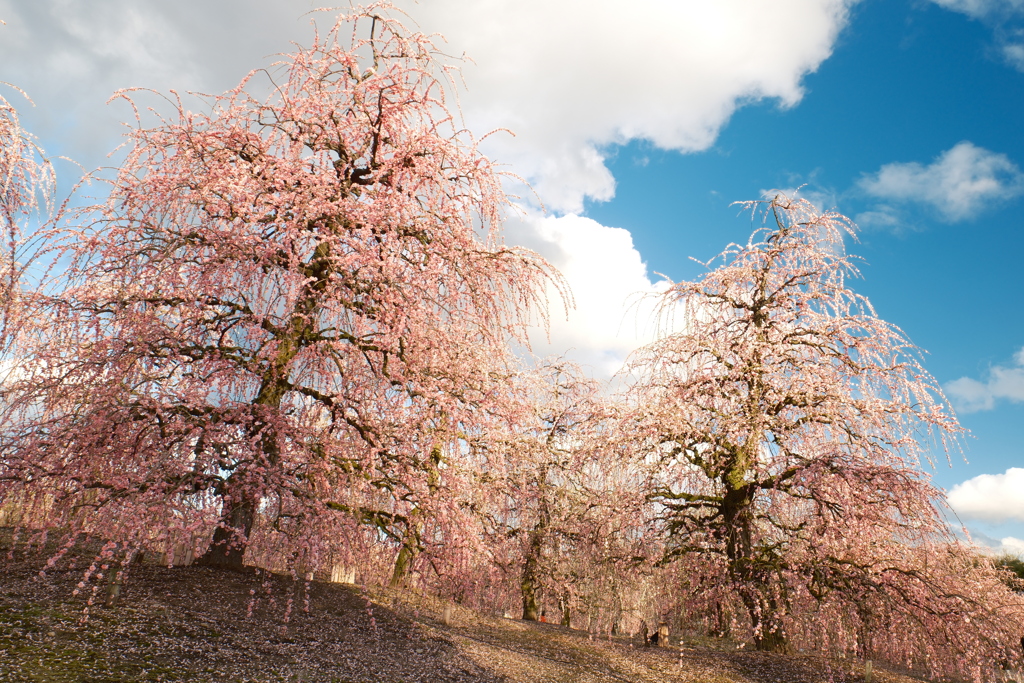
{"x": 202, "y": 624}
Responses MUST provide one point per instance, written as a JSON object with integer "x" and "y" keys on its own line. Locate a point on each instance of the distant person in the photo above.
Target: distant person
{"x": 543, "y": 616}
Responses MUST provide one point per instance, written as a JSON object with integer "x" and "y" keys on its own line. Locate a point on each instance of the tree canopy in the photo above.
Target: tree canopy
{"x": 787, "y": 427}
{"x": 291, "y": 307}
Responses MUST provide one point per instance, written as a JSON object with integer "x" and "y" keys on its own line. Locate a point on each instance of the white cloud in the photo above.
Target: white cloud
{"x": 970, "y": 395}
{"x": 609, "y": 282}
{"x": 990, "y": 497}
{"x": 882, "y": 217}
{"x": 981, "y": 9}
{"x": 1003, "y": 16}
{"x": 1011, "y": 546}
{"x": 961, "y": 182}
{"x": 71, "y": 56}
{"x": 571, "y": 76}
{"x": 1007, "y": 545}
{"x": 1014, "y": 55}
{"x": 567, "y": 76}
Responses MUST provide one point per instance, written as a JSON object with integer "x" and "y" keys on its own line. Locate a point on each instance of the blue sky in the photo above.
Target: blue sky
{"x": 637, "y": 129}
{"x": 907, "y": 81}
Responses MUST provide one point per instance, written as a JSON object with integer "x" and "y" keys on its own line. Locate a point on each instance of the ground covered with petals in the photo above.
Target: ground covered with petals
{"x": 193, "y": 624}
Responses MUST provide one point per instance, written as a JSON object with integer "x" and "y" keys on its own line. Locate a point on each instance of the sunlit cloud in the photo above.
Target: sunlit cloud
{"x": 990, "y": 497}
{"x": 960, "y": 183}
{"x": 979, "y": 9}
{"x": 1003, "y": 17}
{"x": 613, "y": 292}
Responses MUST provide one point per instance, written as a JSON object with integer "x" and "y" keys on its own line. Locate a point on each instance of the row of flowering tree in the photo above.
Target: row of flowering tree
{"x": 286, "y": 336}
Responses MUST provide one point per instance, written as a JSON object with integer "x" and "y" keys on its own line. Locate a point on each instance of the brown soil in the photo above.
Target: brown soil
{"x": 191, "y": 624}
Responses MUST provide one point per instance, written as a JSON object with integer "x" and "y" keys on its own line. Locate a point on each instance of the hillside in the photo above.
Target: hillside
{"x": 191, "y": 624}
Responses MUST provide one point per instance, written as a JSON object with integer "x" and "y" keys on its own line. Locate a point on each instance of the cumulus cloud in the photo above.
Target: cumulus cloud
{"x": 990, "y": 497}
{"x": 883, "y": 217}
{"x": 1003, "y": 382}
{"x": 960, "y": 183}
{"x": 572, "y": 76}
{"x": 610, "y": 285}
{"x": 568, "y": 76}
{"x": 1011, "y": 546}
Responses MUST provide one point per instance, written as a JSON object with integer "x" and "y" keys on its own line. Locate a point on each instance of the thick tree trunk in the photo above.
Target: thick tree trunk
{"x": 412, "y": 543}
{"x": 771, "y": 641}
{"x": 114, "y": 582}
{"x": 406, "y": 554}
{"x": 402, "y": 562}
{"x": 530, "y": 590}
{"x": 769, "y": 634}
{"x": 231, "y": 537}
{"x": 529, "y": 584}
{"x": 737, "y": 509}
{"x": 723, "y": 622}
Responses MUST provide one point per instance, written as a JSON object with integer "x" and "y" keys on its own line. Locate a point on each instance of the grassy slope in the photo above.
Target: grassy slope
{"x": 190, "y": 624}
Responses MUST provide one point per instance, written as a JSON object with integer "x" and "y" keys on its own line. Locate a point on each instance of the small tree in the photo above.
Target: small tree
{"x": 560, "y": 508}
{"x": 285, "y": 314}
{"x": 548, "y": 490}
{"x": 788, "y": 425}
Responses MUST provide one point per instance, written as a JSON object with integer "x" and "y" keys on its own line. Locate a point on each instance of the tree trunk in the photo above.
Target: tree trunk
{"x": 566, "y": 613}
{"x": 754, "y": 581}
{"x": 769, "y": 635}
{"x": 114, "y": 582}
{"x": 406, "y": 554}
{"x": 530, "y": 582}
{"x": 771, "y": 641}
{"x": 231, "y": 537}
{"x": 723, "y": 622}
{"x": 412, "y": 544}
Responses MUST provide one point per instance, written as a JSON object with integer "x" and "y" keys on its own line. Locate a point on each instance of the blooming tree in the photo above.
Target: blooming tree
{"x": 284, "y": 316}
{"x": 788, "y": 425}
{"x": 561, "y": 504}
{"x": 27, "y": 183}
